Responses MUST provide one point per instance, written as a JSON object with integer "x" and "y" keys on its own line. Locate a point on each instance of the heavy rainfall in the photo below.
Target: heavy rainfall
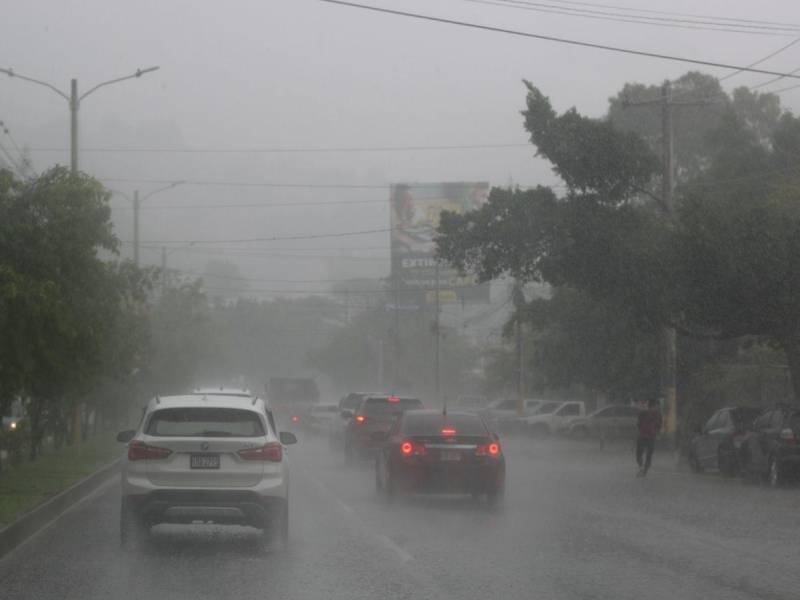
{"x": 399, "y": 299}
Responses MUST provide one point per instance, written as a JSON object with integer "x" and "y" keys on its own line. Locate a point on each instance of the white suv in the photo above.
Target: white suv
{"x": 205, "y": 459}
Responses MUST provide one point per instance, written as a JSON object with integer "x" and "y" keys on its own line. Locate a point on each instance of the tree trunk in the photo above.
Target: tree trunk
{"x": 791, "y": 346}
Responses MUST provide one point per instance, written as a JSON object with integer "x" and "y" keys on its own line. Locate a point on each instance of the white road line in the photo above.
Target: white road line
{"x": 404, "y": 556}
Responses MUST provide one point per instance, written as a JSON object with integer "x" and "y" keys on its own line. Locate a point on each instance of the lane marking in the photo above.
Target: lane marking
{"x": 390, "y": 543}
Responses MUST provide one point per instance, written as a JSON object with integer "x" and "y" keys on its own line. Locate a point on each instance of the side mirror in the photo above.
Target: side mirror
{"x": 379, "y": 436}
{"x": 126, "y": 436}
{"x": 288, "y": 438}
{"x": 346, "y": 414}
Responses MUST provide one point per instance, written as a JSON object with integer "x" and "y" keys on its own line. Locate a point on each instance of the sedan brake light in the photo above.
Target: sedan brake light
{"x": 360, "y": 418}
{"x": 272, "y": 451}
{"x": 138, "y": 450}
{"x": 787, "y": 435}
{"x": 409, "y": 448}
{"x": 491, "y": 449}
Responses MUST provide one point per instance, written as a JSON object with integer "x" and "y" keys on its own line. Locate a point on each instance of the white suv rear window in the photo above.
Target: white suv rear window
{"x": 205, "y": 422}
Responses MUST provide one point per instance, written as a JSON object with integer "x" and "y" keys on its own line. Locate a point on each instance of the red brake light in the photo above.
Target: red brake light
{"x": 295, "y": 419}
{"x": 138, "y": 450}
{"x": 491, "y": 449}
{"x": 406, "y": 448}
{"x": 448, "y": 431}
{"x": 413, "y": 448}
{"x": 393, "y": 399}
{"x": 360, "y": 418}
{"x": 273, "y": 452}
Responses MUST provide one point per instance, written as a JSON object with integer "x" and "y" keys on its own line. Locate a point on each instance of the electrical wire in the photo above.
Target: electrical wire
{"x": 640, "y": 20}
{"x": 307, "y": 150}
{"x": 555, "y": 39}
{"x": 268, "y": 239}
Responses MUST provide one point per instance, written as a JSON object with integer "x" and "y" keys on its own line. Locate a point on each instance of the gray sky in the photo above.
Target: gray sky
{"x": 300, "y": 73}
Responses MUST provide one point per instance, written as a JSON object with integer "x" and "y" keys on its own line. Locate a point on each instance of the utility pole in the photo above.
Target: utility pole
{"x": 669, "y": 337}
{"x": 74, "y": 102}
{"x": 380, "y": 365}
{"x": 74, "y": 105}
{"x": 518, "y": 299}
{"x": 136, "y": 227}
{"x": 163, "y": 270}
{"x": 437, "y": 361}
{"x": 669, "y": 377}
{"x": 396, "y": 337}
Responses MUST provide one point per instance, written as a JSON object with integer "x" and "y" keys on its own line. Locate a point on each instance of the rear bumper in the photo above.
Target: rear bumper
{"x": 214, "y": 506}
{"x": 449, "y": 479}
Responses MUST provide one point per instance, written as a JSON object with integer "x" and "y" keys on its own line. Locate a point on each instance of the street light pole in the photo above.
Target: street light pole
{"x": 74, "y": 104}
{"x": 74, "y": 101}
{"x": 136, "y": 227}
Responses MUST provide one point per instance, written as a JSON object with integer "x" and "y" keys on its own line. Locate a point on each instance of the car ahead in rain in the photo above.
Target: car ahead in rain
{"x": 503, "y": 415}
{"x": 224, "y": 392}
{"x": 470, "y": 403}
{"x": 553, "y": 417}
{"x": 321, "y": 416}
{"x": 610, "y": 422}
{"x": 771, "y": 451}
{"x": 375, "y": 414}
{"x": 348, "y": 405}
{"x": 431, "y": 451}
{"x": 718, "y": 443}
{"x": 205, "y": 459}
{"x": 290, "y": 398}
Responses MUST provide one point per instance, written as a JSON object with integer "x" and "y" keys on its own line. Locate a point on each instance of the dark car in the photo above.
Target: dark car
{"x": 348, "y": 405}
{"x": 376, "y": 413}
{"x": 718, "y": 444}
{"x": 771, "y": 451}
{"x": 435, "y": 452}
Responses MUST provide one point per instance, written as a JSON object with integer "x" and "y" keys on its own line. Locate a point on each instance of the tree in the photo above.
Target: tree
{"x": 724, "y": 267}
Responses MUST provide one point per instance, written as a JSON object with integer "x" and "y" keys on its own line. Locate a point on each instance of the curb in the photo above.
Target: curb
{"x": 38, "y": 518}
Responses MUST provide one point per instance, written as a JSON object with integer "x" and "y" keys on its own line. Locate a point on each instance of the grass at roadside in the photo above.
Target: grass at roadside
{"x": 31, "y": 483}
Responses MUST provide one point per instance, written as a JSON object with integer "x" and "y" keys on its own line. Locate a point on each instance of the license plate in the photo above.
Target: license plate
{"x": 450, "y": 455}
{"x": 204, "y": 461}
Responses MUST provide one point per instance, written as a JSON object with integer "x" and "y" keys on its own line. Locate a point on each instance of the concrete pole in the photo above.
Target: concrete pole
{"x": 74, "y": 105}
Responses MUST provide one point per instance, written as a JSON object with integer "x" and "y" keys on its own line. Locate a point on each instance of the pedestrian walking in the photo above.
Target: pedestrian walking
{"x": 650, "y": 422}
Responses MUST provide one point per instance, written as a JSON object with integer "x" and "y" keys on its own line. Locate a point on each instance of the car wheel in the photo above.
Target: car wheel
{"x": 496, "y": 497}
{"x": 349, "y": 457}
{"x": 133, "y": 532}
{"x": 775, "y": 476}
{"x": 694, "y": 463}
{"x": 378, "y": 482}
{"x": 388, "y": 488}
{"x": 726, "y": 461}
{"x": 540, "y": 430}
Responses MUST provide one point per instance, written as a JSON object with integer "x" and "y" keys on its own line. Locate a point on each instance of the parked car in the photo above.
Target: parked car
{"x": 718, "y": 443}
{"x": 209, "y": 459}
{"x": 471, "y": 403}
{"x": 771, "y": 451}
{"x": 503, "y": 415}
{"x": 321, "y": 416}
{"x": 376, "y": 413}
{"x": 553, "y": 417}
{"x": 609, "y": 422}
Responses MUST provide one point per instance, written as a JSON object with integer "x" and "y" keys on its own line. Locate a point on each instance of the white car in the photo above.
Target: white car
{"x": 553, "y": 417}
{"x": 504, "y": 414}
{"x": 205, "y": 459}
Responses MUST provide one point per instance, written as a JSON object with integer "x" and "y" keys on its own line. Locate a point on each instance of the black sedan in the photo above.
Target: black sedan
{"x": 771, "y": 451}
{"x": 434, "y": 452}
{"x": 718, "y": 444}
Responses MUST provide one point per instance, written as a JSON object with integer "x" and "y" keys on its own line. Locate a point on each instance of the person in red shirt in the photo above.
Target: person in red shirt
{"x": 649, "y": 426}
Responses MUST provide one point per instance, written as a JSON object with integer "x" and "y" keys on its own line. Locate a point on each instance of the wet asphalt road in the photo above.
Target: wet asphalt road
{"x": 576, "y": 524}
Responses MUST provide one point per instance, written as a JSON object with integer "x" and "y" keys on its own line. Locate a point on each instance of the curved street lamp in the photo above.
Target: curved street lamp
{"x": 74, "y": 101}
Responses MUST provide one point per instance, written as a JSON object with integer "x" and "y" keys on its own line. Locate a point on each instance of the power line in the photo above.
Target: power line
{"x": 672, "y": 13}
{"x": 306, "y": 150}
{"x": 761, "y": 60}
{"x": 554, "y": 39}
{"x": 690, "y": 24}
{"x": 384, "y": 202}
{"x": 269, "y": 239}
{"x": 342, "y": 186}
{"x": 261, "y": 280}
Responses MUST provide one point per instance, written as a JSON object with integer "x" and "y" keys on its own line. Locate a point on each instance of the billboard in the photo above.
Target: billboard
{"x": 415, "y": 210}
